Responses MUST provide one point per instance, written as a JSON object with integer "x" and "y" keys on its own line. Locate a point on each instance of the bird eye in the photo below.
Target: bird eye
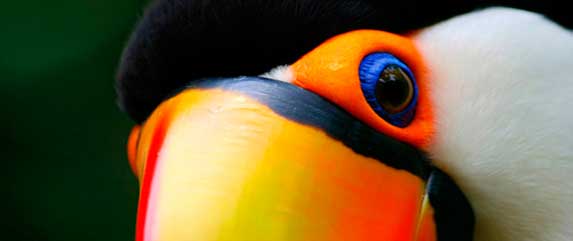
{"x": 389, "y": 87}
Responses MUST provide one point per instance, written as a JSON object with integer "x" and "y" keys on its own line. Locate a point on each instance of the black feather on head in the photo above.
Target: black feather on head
{"x": 179, "y": 41}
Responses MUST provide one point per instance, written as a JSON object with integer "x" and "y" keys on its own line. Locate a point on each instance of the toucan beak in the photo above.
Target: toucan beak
{"x": 258, "y": 159}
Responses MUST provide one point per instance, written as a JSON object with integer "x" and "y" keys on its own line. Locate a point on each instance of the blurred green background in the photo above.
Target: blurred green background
{"x": 65, "y": 175}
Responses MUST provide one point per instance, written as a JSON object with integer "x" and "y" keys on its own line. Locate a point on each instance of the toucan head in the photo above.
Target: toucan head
{"x": 338, "y": 120}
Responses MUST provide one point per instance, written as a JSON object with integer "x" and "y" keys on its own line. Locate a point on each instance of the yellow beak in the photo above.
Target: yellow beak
{"x": 255, "y": 159}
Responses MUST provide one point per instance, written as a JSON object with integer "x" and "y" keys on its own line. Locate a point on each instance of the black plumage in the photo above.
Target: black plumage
{"x": 179, "y": 41}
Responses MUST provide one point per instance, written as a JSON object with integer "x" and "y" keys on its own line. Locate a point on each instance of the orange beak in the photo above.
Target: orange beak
{"x": 257, "y": 159}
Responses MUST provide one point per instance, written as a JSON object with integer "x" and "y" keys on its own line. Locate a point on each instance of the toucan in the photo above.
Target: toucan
{"x": 328, "y": 120}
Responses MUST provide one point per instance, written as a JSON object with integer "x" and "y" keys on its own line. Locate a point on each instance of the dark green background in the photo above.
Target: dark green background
{"x": 64, "y": 171}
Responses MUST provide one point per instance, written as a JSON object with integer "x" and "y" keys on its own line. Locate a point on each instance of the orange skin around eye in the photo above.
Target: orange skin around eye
{"x": 331, "y": 71}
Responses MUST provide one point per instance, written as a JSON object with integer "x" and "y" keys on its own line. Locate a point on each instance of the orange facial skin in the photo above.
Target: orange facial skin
{"x": 373, "y": 201}
{"x": 331, "y": 71}
{"x": 203, "y": 177}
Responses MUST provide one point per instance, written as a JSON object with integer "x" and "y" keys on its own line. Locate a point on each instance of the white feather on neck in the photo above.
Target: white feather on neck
{"x": 502, "y": 88}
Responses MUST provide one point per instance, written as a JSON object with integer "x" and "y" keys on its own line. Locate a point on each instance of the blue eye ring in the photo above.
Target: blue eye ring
{"x": 370, "y": 73}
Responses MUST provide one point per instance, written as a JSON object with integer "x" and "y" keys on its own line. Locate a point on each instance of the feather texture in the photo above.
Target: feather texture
{"x": 502, "y": 81}
{"x": 178, "y": 41}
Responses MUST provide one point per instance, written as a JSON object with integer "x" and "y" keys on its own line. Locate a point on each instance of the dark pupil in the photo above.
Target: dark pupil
{"x": 394, "y": 89}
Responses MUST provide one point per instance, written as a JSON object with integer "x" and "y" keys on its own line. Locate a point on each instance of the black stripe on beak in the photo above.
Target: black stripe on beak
{"x": 305, "y": 107}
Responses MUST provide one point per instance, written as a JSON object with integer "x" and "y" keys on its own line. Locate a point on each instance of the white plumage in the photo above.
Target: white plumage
{"x": 502, "y": 87}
